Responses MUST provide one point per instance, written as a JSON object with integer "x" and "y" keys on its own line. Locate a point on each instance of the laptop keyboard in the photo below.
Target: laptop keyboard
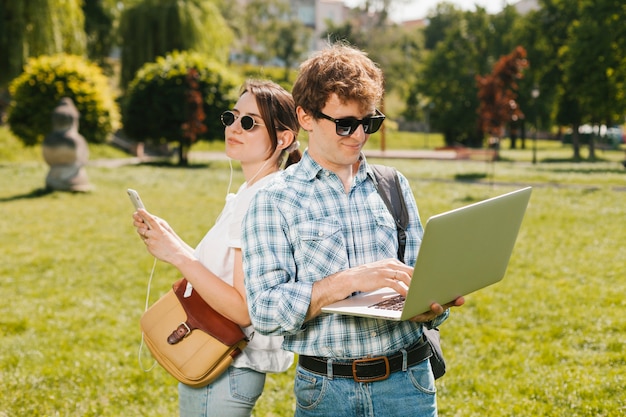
{"x": 394, "y": 303}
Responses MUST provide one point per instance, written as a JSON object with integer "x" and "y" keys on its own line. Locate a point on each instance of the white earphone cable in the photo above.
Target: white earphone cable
{"x": 141, "y": 345}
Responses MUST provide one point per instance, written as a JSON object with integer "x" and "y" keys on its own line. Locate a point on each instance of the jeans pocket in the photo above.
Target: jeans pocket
{"x": 422, "y": 377}
{"x": 245, "y": 384}
{"x": 309, "y": 389}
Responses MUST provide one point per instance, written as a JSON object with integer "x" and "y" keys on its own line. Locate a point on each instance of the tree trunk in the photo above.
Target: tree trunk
{"x": 183, "y": 154}
{"x": 592, "y": 147}
{"x": 575, "y": 143}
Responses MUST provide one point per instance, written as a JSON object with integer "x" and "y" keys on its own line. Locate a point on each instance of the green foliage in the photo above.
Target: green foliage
{"x": 155, "y": 103}
{"x": 267, "y": 32}
{"x": 592, "y": 60}
{"x": 45, "y": 80}
{"x": 29, "y": 28}
{"x": 99, "y": 28}
{"x": 445, "y": 16}
{"x": 152, "y": 28}
{"x": 462, "y": 51}
{"x": 290, "y": 43}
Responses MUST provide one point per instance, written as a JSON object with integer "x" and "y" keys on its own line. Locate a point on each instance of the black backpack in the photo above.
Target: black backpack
{"x": 388, "y": 186}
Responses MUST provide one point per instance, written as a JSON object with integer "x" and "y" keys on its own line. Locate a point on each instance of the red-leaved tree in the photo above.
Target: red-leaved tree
{"x": 497, "y": 93}
{"x": 194, "y": 125}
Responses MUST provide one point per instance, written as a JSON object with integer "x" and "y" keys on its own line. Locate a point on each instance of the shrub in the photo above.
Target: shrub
{"x": 48, "y": 78}
{"x": 155, "y": 104}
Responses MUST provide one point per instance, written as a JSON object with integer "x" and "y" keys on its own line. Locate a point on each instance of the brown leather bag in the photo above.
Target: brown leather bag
{"x": 189, "y": 339}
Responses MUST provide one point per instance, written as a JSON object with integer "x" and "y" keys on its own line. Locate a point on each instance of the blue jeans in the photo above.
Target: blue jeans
{"x": 234, "y": 394}
{"x": 405, "y": 393}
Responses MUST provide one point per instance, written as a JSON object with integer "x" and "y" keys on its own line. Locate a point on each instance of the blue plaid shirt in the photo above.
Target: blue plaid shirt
{"x": 303, "y": 227}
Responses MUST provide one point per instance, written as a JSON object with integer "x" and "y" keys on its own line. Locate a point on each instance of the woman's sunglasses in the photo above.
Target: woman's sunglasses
{"x": 346, "y": 126}
{"x": 247, "y": 122}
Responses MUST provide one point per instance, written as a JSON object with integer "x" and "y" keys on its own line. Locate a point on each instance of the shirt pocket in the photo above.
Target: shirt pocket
{"x": 386, "y": 231}
{"x": 322, "y": 248}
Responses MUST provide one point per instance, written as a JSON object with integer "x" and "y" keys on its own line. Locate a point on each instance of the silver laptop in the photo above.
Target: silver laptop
{"x": 462, "y": 251}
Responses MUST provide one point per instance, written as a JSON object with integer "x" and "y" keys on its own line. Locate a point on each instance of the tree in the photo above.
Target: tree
{"x": 290, "y": 43}
{"x": 153, "y": 28}
{"x": 448, "y": 80}
{"x": 194, "y": 113}
{"x": 270, "y": 32}
{"x": 403, "y": 68}
{"x": 29, "y": 28}
{"x": 445, "y": 16}
{"x": 162, "y": 104}
{"x": 593, "y": 63}
{"x": 549, "y": 28}
{"x": 526, "y": 32}
{"x": 497, "y": 93}
{"x": 100, "y": 19}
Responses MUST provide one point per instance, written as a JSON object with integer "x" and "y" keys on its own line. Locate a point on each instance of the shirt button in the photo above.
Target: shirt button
{"x": 320, "y": 234}
{"x": 327, "y": 173}
{"x": 373, "y": 334}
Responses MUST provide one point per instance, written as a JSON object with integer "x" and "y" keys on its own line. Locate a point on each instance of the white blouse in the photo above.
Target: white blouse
{"x": 216, "y": 251}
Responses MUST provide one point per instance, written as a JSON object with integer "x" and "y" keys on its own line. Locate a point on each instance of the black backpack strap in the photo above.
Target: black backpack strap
{"x": 388, "y": 186}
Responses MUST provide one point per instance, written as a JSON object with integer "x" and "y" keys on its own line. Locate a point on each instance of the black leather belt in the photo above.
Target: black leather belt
{"x": 367, "y": 369}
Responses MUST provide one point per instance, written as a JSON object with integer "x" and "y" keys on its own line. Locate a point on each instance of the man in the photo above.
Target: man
{"x": 319, "y": 233}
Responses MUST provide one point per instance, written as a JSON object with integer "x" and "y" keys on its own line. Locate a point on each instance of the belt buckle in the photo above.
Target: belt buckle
{"x": 370, "y": 379}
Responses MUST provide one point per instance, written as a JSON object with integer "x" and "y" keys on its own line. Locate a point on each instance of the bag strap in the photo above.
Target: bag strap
{"x": 202, "y": 316}
{"x": 388, "y": 186}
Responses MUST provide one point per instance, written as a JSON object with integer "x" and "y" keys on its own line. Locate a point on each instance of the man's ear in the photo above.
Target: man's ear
{"x": 305, "y": 119}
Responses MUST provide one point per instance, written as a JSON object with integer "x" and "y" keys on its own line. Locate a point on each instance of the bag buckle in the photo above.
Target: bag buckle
{"x": 366, "y": 362}
{"x": 179, "y": 334}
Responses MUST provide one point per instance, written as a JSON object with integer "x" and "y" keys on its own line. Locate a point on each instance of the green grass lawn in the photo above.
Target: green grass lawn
{"x": 549, "y": 340}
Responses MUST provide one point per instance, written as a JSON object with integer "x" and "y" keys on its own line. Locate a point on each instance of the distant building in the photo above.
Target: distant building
{"x": 525, "y": 6}
{"x": 415, "y": 23}
{"x": 315, "y": 14}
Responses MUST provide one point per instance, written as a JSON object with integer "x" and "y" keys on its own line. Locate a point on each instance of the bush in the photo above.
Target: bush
{"x": 156, "y": 102}
{"x": 48, "y": 78}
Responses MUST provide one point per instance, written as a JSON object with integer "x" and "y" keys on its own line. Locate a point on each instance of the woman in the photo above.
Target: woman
{"x": 259, "y": 132}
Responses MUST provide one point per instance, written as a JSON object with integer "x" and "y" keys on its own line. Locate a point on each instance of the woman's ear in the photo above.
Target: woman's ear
{"x": 285, "y": 139}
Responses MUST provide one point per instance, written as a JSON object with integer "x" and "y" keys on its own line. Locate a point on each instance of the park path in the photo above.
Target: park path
{"x": 202, "y": 156}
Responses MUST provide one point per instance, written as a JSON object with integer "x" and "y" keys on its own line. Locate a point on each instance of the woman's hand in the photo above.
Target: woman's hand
{"x": 160, "y": 239}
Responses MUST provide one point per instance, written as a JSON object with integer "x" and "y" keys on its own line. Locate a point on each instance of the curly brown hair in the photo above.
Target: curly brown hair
{"x": 340, "y": 69}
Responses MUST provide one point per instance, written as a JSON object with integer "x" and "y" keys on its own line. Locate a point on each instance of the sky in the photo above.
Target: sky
{"x": 418, "y": 9}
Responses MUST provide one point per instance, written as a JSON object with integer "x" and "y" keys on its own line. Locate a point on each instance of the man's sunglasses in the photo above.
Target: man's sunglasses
{"x": 247, "y": 122}
{"x": 347, "y": 126}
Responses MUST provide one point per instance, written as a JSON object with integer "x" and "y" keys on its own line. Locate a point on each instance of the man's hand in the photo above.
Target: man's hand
{"x": 364, "y": 278}
{"x": 380, "y": 274}
{"x": 436, "y": 310}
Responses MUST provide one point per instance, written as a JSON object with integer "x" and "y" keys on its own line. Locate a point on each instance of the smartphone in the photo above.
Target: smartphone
{"x": 136, "y": 200}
